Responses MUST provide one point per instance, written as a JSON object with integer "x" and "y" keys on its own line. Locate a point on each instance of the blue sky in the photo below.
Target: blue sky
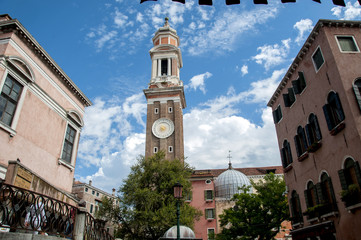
{"x": 234, "y": 57}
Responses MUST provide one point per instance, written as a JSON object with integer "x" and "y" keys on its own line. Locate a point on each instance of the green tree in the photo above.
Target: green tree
{"x": 147, "y": 207}
{"x": 256, "y": 215}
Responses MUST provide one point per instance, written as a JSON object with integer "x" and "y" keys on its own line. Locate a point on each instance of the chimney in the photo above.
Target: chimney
{"x": 90, "y": 182}
{"x": 113, "y": 193}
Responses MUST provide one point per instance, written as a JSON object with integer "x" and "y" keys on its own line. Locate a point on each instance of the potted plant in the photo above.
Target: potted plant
{"x": 351, "y": 195}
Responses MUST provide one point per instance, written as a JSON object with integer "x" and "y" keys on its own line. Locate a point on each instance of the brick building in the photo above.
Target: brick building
{"x": 316, "y": 110}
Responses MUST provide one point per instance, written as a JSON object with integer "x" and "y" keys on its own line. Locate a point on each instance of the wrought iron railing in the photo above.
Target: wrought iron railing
{"x": 29, "y": 211}
{"x": 23, "y": 210}
{"x": 95, "y": 229}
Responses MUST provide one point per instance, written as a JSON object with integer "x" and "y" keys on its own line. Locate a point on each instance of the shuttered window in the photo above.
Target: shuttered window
{"x": 289, "y": 98}
{"x": 295, "y": 206}
{"x": 349, "y": 176}
{"x": 210, "y": 213}
{"x": 357, "y": 91}
{"x": 347, "y": 44}
{"x": 68, "y": 144}
{"x": 286, "y": 154}
{"x": 9, "y": 99}
{"x": 300, "y": 141}
{"x": 327, "y": 193}
{"x": 299, "y": 84}
{"x": 208, "y": 195}
{"x": 333, "y": 111}
{"x": 317, "y": 59}
{"x": 277, "y": 114}
{"x": 313, "y": 131}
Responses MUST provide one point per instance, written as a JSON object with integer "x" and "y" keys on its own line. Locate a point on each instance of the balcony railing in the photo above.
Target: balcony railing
{"x": 26, "y": 211}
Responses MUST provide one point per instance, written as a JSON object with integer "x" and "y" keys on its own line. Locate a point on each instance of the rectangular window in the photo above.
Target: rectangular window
{"x": 277, "y": 114}
{"x": 188, "y": 197}
{"x": 208, "y": 195}
{"x": 289, "y": 98}
{"x": 155, "y": 150}
{"x": 91, "y": 208}
{"x": 9, "y": 99}
{"x": 170, "y": 149}
{"x": 347, "y": 44}
{"x": 210, "y": 213}
{"x": 211, "y": 233}
{"x": 317, "y": 58}
{"x": 68, "y": 144}
{"x": 164, "y": 67}
{"x": 300, "y": 84}
{"x": 156, "y": 110}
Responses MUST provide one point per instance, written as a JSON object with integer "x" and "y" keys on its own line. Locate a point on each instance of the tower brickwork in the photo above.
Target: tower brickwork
{"x": 165, "y": 96}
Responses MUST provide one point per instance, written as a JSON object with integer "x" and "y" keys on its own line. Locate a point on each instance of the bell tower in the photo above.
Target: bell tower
{"x": 165, "y": 96}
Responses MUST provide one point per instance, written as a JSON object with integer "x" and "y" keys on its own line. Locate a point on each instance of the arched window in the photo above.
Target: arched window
{"x": 350, "y": 178}
{"x": 313, "y": 130}
{"x": 300, "y": 141}
{"x": 311, "y": 198}
{"x": 295, "y": 205}
{"x": 286, "y": 154}
{"x": 333, "y": 111}
{"x": 326, "y": 194}
{"x": 357, "y": 90}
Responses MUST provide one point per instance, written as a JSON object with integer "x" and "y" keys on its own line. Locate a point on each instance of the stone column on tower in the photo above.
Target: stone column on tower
{"x": 165, "y": 96}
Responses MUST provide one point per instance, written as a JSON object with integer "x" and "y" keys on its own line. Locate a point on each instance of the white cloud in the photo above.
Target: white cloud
{"x": 350, "y": 12}
{"x": 197, "y": 82}
{"x": 244, "y": 70}
{"x": 272, "y": 55}
{"x": 106, "y": 38}
{"x": 225, "y": 29}
{"x": 303, "y": 26}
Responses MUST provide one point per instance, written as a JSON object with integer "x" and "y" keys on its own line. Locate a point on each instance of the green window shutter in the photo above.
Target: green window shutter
{"x": 329, "y": 181}
{"x": 303, "y": 136}
{"x": 212, "y": 194}
{"x": 205, "y": 195}
{"x": 357, "y": 92}
{"x": 341, "y": 175}
{"x": 214, "y": 213}
{"x": 308, "y": 134}
{"x": 283, "y": 157}
{"x": 290, "y": 160}
{"x": 306, "y": 198}
{"x": 299, "y": 207}
{"x": 302, "y": 81}
{"x": 318, "y": 131}
{"x": 297, "y": 144}
{"x": 358, "y": 172}
{"x": 327, "y": 116}
{"x": 286, "y": 99}
{"x": 296, "y": 86}
{"x": 275, "y": 118}
{"x": 319, "y": 195}
{"x": 339, "y": 109}
{"x": 291, "y": 95}
{"x": 205, "y": 213}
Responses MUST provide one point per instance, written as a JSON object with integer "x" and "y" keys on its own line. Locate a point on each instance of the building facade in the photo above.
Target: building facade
{"x": 41, "y": 113}
{"x": 165, "y": 96}
{"x": 212, "y": 190}
{"x": 316, "y": 110}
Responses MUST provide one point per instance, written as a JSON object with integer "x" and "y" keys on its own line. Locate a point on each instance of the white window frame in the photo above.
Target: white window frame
{"x": 354, "y": 41}
{"x": 155, "y": 150}
{"x": 156, "y": 110}
{"x": 214, "y": 232}
{"x": 206, "y": 197}
{"x": 12, "y": 128}
{"x": 212, "y": 210}
{"x": 170, "y": 109}
{"x": 61, "y": 161}
{"x": 314, "y": 64}
{"x": 170, "y": 149}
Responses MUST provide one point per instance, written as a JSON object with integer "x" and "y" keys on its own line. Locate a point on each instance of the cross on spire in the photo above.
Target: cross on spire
{"x": 229, "y": 159}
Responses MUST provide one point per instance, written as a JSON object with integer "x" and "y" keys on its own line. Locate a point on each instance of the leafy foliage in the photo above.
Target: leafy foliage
{"x": 147, "y": 206}
{"x": 256, "y": 215}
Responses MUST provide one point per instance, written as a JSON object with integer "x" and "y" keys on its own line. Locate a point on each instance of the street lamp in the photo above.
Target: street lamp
{"x": 178, "y": 195}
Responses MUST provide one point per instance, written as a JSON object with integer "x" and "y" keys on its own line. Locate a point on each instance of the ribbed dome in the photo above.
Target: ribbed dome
{"x": 185, "y": 233}
{"x": 228, "y": 182}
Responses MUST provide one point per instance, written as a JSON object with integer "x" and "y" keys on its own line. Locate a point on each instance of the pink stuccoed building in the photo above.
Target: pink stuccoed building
{"x": 317, "y": 115}
{"x": 41, "y": 114}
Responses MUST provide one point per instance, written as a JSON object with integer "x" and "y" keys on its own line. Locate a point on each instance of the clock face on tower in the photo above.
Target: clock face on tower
{"x": 163, "y": 128}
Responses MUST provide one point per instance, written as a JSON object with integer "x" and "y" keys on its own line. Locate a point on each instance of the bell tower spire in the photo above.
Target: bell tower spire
{"x": 165, "y": 96}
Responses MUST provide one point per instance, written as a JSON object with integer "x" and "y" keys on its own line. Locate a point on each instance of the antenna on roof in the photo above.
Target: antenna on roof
{"x": 229, "y": 160}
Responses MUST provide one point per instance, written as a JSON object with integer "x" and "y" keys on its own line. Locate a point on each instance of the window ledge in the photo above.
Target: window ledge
{"x": 313, "y": 219}
{"x": 338, "y": 128}
{"x": 314, "y": 147}
{"x": 66, "y": 164}
{"x": 8, "y": 129}
{"x": 296, "y": 225}
{"x": 303, "y": 157}
{"x": 288, "y": 168}
{"x": 352, "y": 207}
{"x": 209, "y": 200}
{"x": 210, "y": 219}
{"x": 330, "y": 214}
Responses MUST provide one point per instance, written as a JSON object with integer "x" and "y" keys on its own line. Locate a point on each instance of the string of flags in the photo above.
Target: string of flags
{"x": 231, "y": 2}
